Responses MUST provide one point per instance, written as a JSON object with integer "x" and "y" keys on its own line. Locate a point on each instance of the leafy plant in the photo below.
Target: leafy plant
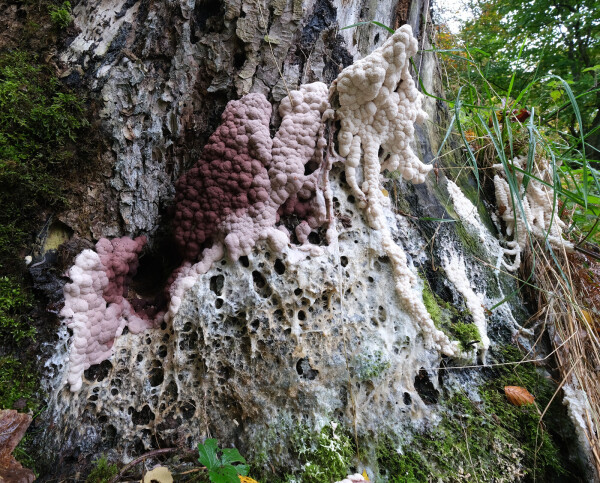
{"x": 223, "y": 465}
{"x": 61, "y": 15}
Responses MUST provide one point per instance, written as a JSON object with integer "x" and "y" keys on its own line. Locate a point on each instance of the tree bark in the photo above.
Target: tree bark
{"x": 160, "y": 75}
{"x": 162, "y": 72}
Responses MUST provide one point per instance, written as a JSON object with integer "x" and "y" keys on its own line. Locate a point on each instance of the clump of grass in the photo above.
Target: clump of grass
{"x": 495, "y": 124}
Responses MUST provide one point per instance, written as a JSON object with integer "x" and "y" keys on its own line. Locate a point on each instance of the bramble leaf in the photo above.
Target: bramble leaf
{"x": 208, "y": 454}
{"x": 230, "y": 456}
{"x": 224, "y": 474}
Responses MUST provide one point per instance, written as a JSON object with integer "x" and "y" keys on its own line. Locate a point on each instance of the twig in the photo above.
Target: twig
{"x": 150, "y": 454}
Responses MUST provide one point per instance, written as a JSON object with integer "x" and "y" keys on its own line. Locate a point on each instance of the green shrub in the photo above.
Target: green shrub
{"x": 223, "y": 465}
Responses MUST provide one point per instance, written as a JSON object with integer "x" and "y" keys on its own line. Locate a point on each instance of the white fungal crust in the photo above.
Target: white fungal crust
{"x": 457, "y": 274}
{"x": 379, "y": 105}
{"x": 541, "y": 215}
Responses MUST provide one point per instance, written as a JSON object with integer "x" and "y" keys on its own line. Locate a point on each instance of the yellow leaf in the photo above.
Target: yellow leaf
{"x": 365, "y": 476}
{"x": 246, "y": 479}
{"x": 385, "y": 193}
{"x": 587, "y": 316}
{"x": 160, "y": 474}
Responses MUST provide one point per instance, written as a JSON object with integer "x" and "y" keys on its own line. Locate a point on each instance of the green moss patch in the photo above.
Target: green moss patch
{"x": 39, "y": 123}
{"x": 103, "y": 471}
{"x": 18, "y": 384}
{"x": 305, "y": 455}
{"x": 326, "y": 455}
{"x": 484, "y": 440}
{"x": 454, "y": 322}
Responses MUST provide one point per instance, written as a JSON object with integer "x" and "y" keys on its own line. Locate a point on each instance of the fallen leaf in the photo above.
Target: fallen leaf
{"x": 587, "y": 316}
{"x": 12, "y": 428}
{"x": 365, "y": 476}
{"x": 160, "y": 474}
{"x": 517, "y": 395}
{"x": 246, "y": 479}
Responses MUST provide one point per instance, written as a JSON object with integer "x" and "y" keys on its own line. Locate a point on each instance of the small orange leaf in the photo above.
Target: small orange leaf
{"x": 517, "y": 395}
{"x": 246, "y": 479}
{"x": 385, "y": 192}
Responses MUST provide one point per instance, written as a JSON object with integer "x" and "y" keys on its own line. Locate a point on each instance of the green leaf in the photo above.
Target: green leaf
{"x": 555, "y": 95}
{"x": 594, "y": 68}
{"x": 440, "y": 220}
{"x": 231, "y": 455}
{"x": 224, "y": 474}
{"x": 208, "y": 454}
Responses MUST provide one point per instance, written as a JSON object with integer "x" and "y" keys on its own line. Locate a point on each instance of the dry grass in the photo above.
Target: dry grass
{"x": 569, "y": 305}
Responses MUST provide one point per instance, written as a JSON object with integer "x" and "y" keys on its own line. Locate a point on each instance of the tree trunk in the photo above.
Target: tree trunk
{"x": 269, "y": 349}
{"x": 163, "y": 72}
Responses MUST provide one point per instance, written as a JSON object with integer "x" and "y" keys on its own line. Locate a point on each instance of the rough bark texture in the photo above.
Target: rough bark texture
{"x": 163, "y": 72}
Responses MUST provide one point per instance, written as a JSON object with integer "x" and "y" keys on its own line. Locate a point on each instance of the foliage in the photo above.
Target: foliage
{"x": 39, "y": 123}
{"x": 520, "y": 90}
{"x": 223, "y": 465}
{"x": 326, "y": 456}
{"x": 102, "y": 472}
{"x": 534, "y": 40}
{"x": 61, "y": 15}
